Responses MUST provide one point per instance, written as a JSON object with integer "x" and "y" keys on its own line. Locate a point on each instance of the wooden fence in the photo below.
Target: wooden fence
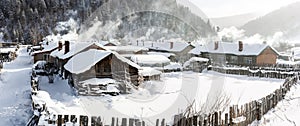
{"x": 239, "y": 115}
{"x": 258, "y": 72}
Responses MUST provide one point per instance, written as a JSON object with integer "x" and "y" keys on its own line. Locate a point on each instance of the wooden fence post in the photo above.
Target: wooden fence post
{"x": 258, "y": 117}
{"x": 231, "y": 116}
{"x": 216, "y": 119}
{"x": 157, "y": 122}
{"x": 124, "y": 122}
{"x": 163, "y": 122}
{"x": 131, "y": 121}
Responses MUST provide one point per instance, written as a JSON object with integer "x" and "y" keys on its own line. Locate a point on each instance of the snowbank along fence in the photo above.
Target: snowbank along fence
{"x": 239, "y": 115}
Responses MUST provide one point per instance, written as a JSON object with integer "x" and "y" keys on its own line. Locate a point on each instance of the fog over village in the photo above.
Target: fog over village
{"x": 149, "y": 63}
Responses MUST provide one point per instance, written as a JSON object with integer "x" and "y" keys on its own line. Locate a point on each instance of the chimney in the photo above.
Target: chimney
{"x": 59, "y": 45}
{"x": 143, "y": 43}
{"x": 67, "y": 47}
{"x": 240, "y": 46}
{"x": 137, "y": 42}
{"x": 216, "y": 45}
{"x": 171, "y": 45}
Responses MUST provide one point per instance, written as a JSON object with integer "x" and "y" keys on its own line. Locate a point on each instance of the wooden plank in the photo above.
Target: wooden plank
{"x": 157, "y": 122}
{"x": 131, "y": 121}
{"x": 124, "y": 122}
{"x": 163, "y": 122}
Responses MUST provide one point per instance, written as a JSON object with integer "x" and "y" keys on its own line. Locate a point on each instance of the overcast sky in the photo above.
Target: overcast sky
{"x": 221, "y": 8}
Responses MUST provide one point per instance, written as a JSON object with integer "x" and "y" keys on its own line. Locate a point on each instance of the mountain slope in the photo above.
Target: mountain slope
{"x": 285, "y": 19}
{"x": 147, "y": 19}
{"x": 235, "y": 20}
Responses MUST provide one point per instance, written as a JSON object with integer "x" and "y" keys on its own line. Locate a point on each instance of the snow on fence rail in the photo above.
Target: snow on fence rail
{"x": 258, "y": 72}
{"x": 239, "y": 115}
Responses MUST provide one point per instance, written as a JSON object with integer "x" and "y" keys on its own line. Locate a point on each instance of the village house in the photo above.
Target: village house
{"x": 103, "y": 64}
{"x": 180, "y": 49}
{"x": 64, "y": 52}
{"x": 241, "y": 54}
{"x": 44, "y": 54}
{"x": 196, "y": 64}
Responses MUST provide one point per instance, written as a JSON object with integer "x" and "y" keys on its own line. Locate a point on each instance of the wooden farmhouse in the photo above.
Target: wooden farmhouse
{"x": 67, "y": 50}
{"x": 44, "y": 54}
{"x": 225, "y": 53}
{"x": 95, "y": 63}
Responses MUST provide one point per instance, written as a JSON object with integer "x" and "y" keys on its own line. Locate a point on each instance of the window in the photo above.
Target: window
{"x": 46, "y": 57}
{"x": 248, "y": 60}
{"x": 233, "y": 59}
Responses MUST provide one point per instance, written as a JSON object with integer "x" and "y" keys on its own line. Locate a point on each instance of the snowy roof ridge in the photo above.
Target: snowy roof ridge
{"x": 163, "y": 46}
{"x": 127, "y": 48}
{"x": 75, "y": 48}
{"x": 231, "y": 48}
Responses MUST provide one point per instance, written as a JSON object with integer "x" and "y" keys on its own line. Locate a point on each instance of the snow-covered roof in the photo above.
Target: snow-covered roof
{"x": 107, "y": 42}
{"x": 78, "y": 47}
{"x": 163, "y": 46}
{"x": 149, "y": 59}
{"x": 75, "y": 47}
{"x": 195, "y": 59}
{"x": 198, "y": 49}
{"x": 85, "y": 60}
{"x": 231, "y": 48}
{"x": 128, "y": 48}
{"x": 161, "y": 53}
{"x": 98, "y": 81}
{"x": 148, "y": 71}
{"x": 173, "y": 66}
{"x": 46, "y": 48}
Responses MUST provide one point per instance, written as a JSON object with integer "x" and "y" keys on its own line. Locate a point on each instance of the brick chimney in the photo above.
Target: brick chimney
{"x": 216, "y": 45}
{"x": 59, "y": 45}
{"x": 67, "y": 47}
{"x": 171, "y": 45}
{"x": 240, "y": 46}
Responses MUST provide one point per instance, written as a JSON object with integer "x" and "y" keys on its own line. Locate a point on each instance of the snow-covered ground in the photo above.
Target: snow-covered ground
{"x": 286, "y": 113}
{"x": 160, "y": 99}
{"x": 15, "y": 102}
{"x": 155, "y": 99}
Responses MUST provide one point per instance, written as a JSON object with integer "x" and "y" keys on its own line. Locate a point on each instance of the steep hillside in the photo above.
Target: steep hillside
{"x": 28, "y": 21}
{"x": 286, "y": 20}
{"x": 149, "y": 19}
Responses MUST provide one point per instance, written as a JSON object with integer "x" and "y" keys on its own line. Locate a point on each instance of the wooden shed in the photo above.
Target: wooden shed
{"x": 102, "y": 64}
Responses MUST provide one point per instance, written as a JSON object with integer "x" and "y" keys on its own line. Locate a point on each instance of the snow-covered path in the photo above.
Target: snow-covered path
{"x": 15, "y": 102}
